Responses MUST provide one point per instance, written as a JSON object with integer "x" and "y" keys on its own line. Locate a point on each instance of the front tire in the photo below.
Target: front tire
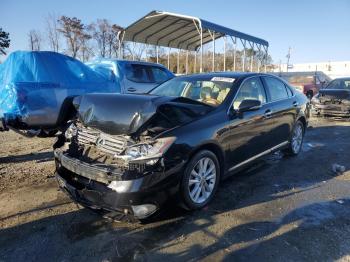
{"x": 200, "y": 180}
{"x": 296, "y": 139}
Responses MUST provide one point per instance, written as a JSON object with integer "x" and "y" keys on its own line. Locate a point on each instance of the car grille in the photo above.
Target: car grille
{"x": 113, "y": 145}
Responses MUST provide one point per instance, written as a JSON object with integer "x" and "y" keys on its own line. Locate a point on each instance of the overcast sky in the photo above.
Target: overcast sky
{"x": 315, "y": 30}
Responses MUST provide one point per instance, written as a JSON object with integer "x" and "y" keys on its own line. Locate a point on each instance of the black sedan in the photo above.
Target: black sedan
{"x": 130, "y": 153}
{"x": 333, "y": 100}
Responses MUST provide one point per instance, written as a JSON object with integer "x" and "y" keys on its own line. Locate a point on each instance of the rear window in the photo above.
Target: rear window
{"x": 159, "y": 74}
{"x": 339, "y": 84}
{"x": 137, "y": 73}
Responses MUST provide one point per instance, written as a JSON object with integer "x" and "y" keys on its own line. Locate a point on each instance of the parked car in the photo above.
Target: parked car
{"x": 309, "y": 83}
{"x": 133, "y": 76}
{"x": 334, "y": 99}
{"x": 36, "y": 89}
{"x": 130, "y": 153}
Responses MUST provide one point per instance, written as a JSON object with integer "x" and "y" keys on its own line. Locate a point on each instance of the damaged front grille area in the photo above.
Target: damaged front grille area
{"x": 113, "y": 145}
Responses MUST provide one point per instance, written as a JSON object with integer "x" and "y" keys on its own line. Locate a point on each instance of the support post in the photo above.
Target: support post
{"x": 234, "y": 54}
{"x": 224, "y": 53}
{"x": 157, "y": 54}
{"x": 195, "y": 62}
{"x": 266, "y": 54}
{"x": 169, "y": 58}
{"x": 201, "y": 65}
{"x": 251, "y": 57}
{"x": 186, "y": 62}
{"x": 121, "y": 39}
{"x": 147, "y": 48}
{"x": 212, "y": 34}
{"x": 133, "y": 51}
{"x": 178, "y": 62}
{"x": 244, "y": 55}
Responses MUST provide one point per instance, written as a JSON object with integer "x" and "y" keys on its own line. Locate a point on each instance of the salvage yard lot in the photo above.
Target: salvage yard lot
{"x": 281, "y": 209}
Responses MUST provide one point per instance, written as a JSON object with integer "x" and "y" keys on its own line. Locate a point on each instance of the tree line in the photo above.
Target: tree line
{"x": 71, "y": 36}
{"x": 84, "y": 41}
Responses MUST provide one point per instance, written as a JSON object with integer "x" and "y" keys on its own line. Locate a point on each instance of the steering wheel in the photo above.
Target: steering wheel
{"x": 212, "y": 101}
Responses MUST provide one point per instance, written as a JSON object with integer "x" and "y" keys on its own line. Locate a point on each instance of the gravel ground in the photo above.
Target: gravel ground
{"x": 282, "y": 209}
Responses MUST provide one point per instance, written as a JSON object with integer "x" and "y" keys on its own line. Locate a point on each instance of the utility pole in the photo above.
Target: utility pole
{"x": 288, "y": 57}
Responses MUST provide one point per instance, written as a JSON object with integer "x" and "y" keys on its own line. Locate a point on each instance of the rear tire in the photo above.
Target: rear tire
{"x": 200, "y": 180}
{"x": 296, "y": 139}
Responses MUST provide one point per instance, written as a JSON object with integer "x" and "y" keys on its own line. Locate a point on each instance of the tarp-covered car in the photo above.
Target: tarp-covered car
{"x": 35, "y": 85}
{"x": 333, "y": 100}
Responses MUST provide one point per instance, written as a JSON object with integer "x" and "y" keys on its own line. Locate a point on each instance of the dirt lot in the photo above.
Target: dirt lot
{"x": 283, "y": 209}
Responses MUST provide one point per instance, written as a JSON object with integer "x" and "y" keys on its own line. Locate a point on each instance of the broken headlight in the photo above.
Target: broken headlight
{"x": 70, "y": 132}
{"x": 148, "y": 151}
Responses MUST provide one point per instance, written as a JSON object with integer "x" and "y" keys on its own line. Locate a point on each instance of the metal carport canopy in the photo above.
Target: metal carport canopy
{"x": 188, "y": 33}
{"x": 180, "y": 31}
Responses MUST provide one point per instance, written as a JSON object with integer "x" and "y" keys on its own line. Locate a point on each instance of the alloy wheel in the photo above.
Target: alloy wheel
{"x": 297, "y": 138}
{"x": 202, "y": 180}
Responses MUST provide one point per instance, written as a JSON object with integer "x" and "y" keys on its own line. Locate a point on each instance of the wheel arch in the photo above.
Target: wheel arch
{"x": 216, "y": 149}
{"x": 302, "y": 119}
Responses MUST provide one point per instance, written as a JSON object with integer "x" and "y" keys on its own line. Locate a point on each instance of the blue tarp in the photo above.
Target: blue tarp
{"x": 36, "y": 83}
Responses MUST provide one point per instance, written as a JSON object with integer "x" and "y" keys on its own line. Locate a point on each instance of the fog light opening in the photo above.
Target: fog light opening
{"x": 143, "y": 211}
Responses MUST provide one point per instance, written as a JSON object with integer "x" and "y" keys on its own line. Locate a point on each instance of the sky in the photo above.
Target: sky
{"x": 316, "y": 30}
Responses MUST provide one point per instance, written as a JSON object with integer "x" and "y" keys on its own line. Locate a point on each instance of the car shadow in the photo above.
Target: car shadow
{"x": 38, "y": 157}
{"x": 226, "y": 229}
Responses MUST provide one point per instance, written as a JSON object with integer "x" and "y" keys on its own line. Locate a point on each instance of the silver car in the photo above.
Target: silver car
{"x": 132, "y": 76}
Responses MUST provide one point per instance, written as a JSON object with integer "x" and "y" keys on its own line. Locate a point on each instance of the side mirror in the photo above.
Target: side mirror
{"x": 249, "y": 105}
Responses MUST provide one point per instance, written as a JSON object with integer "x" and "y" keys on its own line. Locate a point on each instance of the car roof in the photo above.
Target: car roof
{"x": 222, "y": 74}
{"x": 122, "y": 61}
{"x": 342, "y": 78}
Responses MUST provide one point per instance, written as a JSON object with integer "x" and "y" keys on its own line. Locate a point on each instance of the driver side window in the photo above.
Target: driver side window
{"x": 250, "y": 89}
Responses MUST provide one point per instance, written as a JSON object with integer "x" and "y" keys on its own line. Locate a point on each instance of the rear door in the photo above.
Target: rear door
{"x": 282, "y": 112}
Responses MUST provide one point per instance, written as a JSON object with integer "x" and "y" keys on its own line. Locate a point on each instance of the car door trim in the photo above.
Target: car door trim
{"x": 258, "y": 155}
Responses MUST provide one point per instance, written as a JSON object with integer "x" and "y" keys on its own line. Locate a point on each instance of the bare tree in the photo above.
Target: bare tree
{"x": 4, "y": 41}
{"x": 100, "y": 32}
{"x": 75, "y": 33}
{"x": 53, "y": 34}
{"x": 86, "y": 50}
{"x": 134, "y": 50}
{"x": 106, "y": 36}
{"x": 34, "y": 39}
{"x": 113, "y": 40}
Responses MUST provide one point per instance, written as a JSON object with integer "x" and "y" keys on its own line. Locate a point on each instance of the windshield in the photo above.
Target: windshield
{"x": 212, "y": 91}
{"x": 339, "y": 84}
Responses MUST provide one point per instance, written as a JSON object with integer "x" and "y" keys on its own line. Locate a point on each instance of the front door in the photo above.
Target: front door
{"x": 245, "y": 134}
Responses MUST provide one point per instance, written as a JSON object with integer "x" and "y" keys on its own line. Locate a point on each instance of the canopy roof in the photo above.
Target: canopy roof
{"x": 180, "y": 31}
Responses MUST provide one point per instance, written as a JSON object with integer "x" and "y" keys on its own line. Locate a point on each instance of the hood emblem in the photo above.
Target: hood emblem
{"x": 100, "y": 141}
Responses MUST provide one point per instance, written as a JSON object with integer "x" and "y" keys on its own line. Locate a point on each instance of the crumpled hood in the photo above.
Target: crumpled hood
{"x": 340, "y": 95}
{"x": 118, "y": 114}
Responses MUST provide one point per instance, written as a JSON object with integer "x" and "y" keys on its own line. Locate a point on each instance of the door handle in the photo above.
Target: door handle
{"x": 268, "y": 113}
{"x": 295, "y": 103}
{"x": 131, "y": 89}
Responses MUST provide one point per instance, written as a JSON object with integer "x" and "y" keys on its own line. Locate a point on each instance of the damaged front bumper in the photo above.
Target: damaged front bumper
{"x": 337, "y": 110}
{"x": 111, "y": 190}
